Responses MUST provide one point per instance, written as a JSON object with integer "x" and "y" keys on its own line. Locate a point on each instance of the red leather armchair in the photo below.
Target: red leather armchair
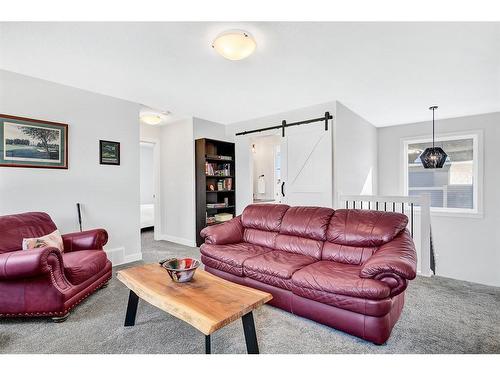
{"x": 44, "y": 281}
{"x": 346, "y": 268}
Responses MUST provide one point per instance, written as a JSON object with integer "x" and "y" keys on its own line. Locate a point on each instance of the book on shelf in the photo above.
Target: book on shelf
{"x": 212, "y": 169}
{"x": 217, "y": 205}
{"x": 220, "y": 157}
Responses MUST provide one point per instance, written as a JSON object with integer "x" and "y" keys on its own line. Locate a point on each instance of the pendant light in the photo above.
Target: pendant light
{"x": 433, "y": 157}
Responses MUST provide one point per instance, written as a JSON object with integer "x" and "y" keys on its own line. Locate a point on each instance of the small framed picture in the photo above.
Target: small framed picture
{"x": 30, "y": 143}
{"x": 109, "y": 152}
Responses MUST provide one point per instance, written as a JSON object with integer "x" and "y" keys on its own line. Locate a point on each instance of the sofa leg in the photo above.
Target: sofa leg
{"x": 60, "y": 319}
{"x": 105, "y": 285}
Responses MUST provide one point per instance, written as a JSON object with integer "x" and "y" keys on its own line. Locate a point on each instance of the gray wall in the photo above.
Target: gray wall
{"x": 147, "y": 177}
{"x": 109, "y": 194}
{"x": 355, "y": 154}
{"x": 177, "y": 182}
{"x": 208, "y": 129}
{"x": 468, "y": 248}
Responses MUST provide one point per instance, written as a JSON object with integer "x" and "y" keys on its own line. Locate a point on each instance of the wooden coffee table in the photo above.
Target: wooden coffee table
{"x": 207, "y": 302}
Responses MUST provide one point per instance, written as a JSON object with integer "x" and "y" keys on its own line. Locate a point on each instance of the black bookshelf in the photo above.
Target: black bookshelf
{"x": 207, "y": 192}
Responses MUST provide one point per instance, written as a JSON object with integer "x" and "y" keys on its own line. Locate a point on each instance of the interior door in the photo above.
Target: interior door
{"x": 307, "y": 166}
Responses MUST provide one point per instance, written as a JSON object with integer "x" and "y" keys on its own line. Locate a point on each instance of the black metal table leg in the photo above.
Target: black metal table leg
{"x": 250, "y": 335}
{"x": 133, "y": 300}
{"x": 208, "y": 348}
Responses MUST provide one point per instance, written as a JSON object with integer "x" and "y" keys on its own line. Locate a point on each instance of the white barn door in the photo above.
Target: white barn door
{"x": 307, "y": 165}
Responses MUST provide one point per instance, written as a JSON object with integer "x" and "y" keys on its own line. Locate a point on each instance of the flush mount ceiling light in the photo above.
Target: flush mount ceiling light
{"x": 433, "y": 157}
{"x": 234, "y": 44}
{"x": 153, "y": 118}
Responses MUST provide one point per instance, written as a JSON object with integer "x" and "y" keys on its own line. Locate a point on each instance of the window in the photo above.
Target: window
{"x": 453, "y": 188}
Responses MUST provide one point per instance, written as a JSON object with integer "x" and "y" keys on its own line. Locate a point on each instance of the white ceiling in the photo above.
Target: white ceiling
{"x": 387, "y": 72}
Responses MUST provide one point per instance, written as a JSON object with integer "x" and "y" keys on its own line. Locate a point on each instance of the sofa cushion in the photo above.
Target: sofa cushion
{"x": 27, "y": 225}
{"x": 364, "y": 228}
{"x": 299, "y": 245}
{"x": 53, "y": 239}
{"x": 263, "y": 216}
{"x": 346, "y": 254}
{"x": 308, "y": 222}
{"x": 275, "y": 267}
{"x": 81, "y": 265}
{"x": 338, "y": 278}
{"x": 260, "y": 237}
{"x": 230, "y": 258}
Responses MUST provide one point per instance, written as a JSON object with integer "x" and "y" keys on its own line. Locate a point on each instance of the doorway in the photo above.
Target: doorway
{"x": 266, "y": 171}
{"x": 149, "y": 187}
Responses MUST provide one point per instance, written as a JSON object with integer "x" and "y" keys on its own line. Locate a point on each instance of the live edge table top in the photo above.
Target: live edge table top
{"x": 207, "y": 302}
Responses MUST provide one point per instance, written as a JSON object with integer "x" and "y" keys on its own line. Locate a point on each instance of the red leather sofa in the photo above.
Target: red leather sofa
{"x": 347, "y": 269}
{"x": 44, "y": 281}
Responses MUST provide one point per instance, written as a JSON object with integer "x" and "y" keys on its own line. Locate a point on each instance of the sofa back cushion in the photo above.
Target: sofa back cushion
{"x": 353, "y": 236}
{"x": 265, "y": 217}
{"x": 346, "y": 254}
{"x": 13, "y": 228}
{"x": 299, "y": 245}
{"x": 260, "y": 237}
{"x": 308, "y": 222}
{"x": 364, "y": 228}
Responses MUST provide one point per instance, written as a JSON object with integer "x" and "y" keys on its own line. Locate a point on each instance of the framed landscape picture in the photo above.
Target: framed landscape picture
{"x": 30, "y": 143}
{"x": 109, "y": 152}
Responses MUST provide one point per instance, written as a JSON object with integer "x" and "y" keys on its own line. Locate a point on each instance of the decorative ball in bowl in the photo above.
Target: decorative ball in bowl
{"x": 180, "y": 270}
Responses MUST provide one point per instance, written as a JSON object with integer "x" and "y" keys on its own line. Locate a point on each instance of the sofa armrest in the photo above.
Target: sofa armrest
{"x": 29, "y": 263}
{"x": 93, "y": 239}
{"x": 225, "y": 233}
{"x": 394, "y": 262}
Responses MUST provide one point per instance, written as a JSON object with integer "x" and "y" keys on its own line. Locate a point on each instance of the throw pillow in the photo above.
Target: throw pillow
{"x": 53, "y": 239}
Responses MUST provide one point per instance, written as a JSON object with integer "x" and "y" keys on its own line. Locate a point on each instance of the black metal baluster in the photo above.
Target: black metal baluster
{"x": 376, "y": 205}
{"x": 369, "y": 205}
{"x": 393, "y": 206}
{"x": 411, "y": 219}
{"x": 385, "y": 206}
{"x": 402, "y": 207}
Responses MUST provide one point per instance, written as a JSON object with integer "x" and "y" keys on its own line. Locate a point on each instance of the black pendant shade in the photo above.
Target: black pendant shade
{"x": 433, "y": 157}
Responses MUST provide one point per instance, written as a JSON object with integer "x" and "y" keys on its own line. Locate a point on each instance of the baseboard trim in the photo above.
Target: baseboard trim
{"x": 179, "y": 240}
{"x": 430, "y": 274}
{"x": 132, "y": 258}
{"x": 117, "y": 256}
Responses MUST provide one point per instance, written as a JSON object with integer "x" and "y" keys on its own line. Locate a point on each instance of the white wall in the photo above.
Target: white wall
{"x": 109, "y": 194}
{"x": 209, "y": 129}
{"x": 177, "y": 182}
{"x": 467, "y": 248}
{"x": 355, "y": 154}
{"x": 149, "y": 132}
{"x": 146, "y": 174}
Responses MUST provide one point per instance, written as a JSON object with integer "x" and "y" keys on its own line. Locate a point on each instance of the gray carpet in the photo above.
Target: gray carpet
{"x": 440, "y": 316}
